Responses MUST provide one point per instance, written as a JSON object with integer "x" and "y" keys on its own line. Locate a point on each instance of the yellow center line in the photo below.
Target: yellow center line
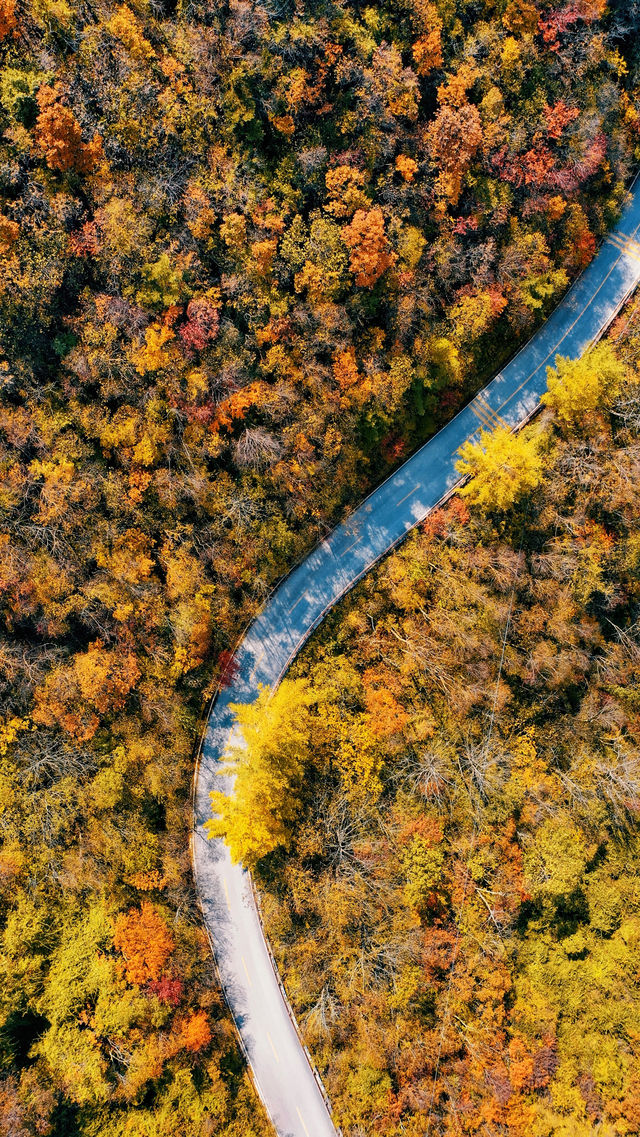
{"x": 302, "y": 1121}
{"x": 246, "y": 971}
{"x": 275, "y": 1052}
{"x": 482, "y": 417}
{"x": 300, "y": 598}
{"x": 618, "y": 243}
{"x": 631, "y": 248}
{"x": 257, "y": 664}
{"x": 485, "y": 418}
{"x": 345, "y": 551}
{"x": 416, "y": 487}
{"x": 226, "y": 892}
{"x": 627, "y": 240}
{"x": 489, "y": 411}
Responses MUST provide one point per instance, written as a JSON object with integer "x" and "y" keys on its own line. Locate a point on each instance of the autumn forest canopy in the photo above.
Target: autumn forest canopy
{"x": 251, "y": 255}
{"x": 451, "y": 884}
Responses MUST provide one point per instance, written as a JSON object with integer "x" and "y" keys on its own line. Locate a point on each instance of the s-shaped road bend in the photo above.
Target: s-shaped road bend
{"x": 288, "y": 1086}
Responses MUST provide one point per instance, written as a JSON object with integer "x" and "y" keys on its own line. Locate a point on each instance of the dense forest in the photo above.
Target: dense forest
{"x": 251, "y": 254}
{"x": 453, "y": 895}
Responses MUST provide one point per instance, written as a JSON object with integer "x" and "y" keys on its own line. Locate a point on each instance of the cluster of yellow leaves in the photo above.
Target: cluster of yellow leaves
{"x": 57, "y": 474}
{"x": 9, "y": 731}
{"x": 152, "y": 356}
{"x": 578, "y": 388}
{"x": 344, "y": 191}
{"x": 151, "y": 881}
{"x": 359, "y": 758}
{"x": 268, "y": 771}
{"x": 503, "y": 467}
{"x": 233, "y": 231}
{"x": 124, "y": 27}
{"x": 474, "y": 313}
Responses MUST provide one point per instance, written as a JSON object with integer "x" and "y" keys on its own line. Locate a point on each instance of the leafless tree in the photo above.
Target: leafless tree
{"x": 258, "y": 448}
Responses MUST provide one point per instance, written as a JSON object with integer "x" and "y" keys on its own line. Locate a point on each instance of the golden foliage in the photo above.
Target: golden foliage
{"x": 502, "y": 466}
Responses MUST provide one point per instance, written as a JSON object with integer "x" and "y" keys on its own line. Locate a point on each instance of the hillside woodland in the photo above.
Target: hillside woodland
{"x": 250, "y": 255}
{"x": 455, "y": 901}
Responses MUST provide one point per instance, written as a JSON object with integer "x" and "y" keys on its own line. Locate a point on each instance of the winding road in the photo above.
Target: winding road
{"x": 288, "y": 1086}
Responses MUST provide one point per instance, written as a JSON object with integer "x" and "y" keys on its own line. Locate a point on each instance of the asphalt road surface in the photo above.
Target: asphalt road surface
{"x": 286, "y": 1082}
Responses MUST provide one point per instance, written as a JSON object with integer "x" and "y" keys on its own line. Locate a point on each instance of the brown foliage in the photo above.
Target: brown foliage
{"x": 453, "y": 138}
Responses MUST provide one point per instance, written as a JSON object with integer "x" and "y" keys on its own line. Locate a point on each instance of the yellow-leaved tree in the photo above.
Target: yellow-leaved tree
{"x": 578, "y": 387}
{"x": 503, "y": 467}
{"x": 268, "y": 765}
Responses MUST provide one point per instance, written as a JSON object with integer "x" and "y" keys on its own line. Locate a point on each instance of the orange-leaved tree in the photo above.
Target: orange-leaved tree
{"x": 142, "y": 937}
{"x": 8, "y": 19}
{"x": 369, "y": 248}
{"x": 59, "y": 135}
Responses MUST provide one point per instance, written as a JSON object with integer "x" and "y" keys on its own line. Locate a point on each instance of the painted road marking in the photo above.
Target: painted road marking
{"x": 226, "y": 892}
{"x": 619, "y": 235}
{"x": 302, "y": 1121}
{"x": 629, "y": 247}
{"x": 482, "y": 416}
{"x": 345, "y": 551}
{"x": 488, "y": 417}
{"x": 275, "y": 1052}
{"x": 417, "y": 487}
{"x": 256, "y": 665}
{"x": 489, "y": 411}
{"x": 298, "y": 601}
{"x": 246, "y": 971}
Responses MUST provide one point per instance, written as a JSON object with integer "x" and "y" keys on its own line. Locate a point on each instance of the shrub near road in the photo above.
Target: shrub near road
{"x": 247, "y": 257}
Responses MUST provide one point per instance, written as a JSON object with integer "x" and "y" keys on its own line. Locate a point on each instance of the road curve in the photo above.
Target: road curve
{"x": 286, "y": 1082}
